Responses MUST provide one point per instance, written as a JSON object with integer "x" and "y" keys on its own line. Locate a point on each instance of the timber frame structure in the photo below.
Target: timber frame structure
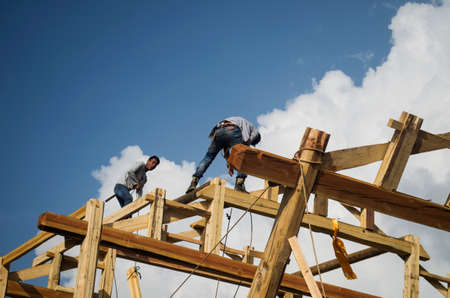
{"x": 312, "y": 170}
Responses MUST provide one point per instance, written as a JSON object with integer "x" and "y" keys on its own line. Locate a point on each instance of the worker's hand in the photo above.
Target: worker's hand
{"x": 137, "y": 187}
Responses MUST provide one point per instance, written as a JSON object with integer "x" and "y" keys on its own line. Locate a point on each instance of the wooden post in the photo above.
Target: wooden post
{"x": 411, "y": 283}
{"x": 213, "y": 230}
{"x": 289, "y": 217}
{"x": 394, "y": 161}
{"x": 4, "y": 270}
{"x": 304, "y": 268}
{"x": 321, "y": 205}
{"x": 84, "y": 285}
{"x": 54, "y": 274}
{"x": 156, "y": 215}
{"x": 249, "y": 259}
{"x": 107, "y": 279}
{"x": 272, "y": 193}
{"x": 133, "y": 283}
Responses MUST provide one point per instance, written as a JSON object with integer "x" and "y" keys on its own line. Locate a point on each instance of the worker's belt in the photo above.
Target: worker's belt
{"x": 227, "y": 125}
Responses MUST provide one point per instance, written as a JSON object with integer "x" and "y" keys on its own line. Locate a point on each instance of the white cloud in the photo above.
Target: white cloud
{"x": 415, "y": 77}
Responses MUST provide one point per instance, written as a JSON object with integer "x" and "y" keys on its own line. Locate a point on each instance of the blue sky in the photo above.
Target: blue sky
{"x": 81, "y": 81}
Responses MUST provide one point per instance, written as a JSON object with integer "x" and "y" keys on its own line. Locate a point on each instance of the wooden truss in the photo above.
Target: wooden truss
{"x": 312, "y": 170}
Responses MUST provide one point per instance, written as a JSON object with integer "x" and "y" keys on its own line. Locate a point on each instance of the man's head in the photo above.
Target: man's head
{"x": 152, "y": 162}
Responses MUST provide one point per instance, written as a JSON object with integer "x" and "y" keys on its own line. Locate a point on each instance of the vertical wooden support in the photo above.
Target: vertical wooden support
{"x": 54, "y": 274}
{"x": 321, "y": 205}
{"x": 133, "y": 283}
{"x": 272, "y": 193}
{"x": 4, "y": 270}
{"x": 156, "y": 214}
{"x": 107, "y": 279}
{"x": 394, "y": 161}
{"x": 213, "y": 230}
{"x": 247, "y": 257}
{"x": 304, "y": 268}
{"x": 289, "y": 217}
{"x": 411, "y": 283}
{"x": 87, "y": 264}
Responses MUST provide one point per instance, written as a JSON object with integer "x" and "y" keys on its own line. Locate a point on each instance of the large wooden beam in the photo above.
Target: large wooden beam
{"x": 106, "y": 281}
{"x": 84, "y": 285}
{"x": 362, "y": 194}
{"x": 290, "y": 214}
{"x": 36, "y": 240}
{"x": 130, "y": 246}
{"x": 156, "y": 215}
{"x": 16, "y": 289}
{"x": 213, "y": 230}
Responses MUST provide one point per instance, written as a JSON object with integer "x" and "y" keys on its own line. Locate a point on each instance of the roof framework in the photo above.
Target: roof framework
{"x": 312, "y": 171}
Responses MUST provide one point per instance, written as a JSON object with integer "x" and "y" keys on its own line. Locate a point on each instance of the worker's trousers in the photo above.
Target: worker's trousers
{"x": 123, "y": 195}
{"x": 224, "y": 138}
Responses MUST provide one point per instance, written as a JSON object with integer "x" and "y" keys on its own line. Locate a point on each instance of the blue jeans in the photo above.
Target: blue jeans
{"x": 224, "y": 138}
{"x": 123, "y": 195}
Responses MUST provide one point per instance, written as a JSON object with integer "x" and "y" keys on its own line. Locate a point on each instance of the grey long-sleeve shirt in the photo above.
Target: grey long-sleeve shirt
{"x": 136, "y": 175}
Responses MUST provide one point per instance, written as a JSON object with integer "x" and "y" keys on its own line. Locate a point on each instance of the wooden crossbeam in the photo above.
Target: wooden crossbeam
{"x": 133, "y": 245}
{"x": 362, "y": 194}
{"x": 16, "y": 289}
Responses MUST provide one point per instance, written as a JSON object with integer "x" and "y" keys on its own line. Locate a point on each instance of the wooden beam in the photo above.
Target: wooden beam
{"x": 129, "y": 209}
{"x": 16, "y": 289}
{"x": 36, "y": 240}
{"x": 304, "y": 268}
{"x": 321, "y": 205}
{"x": 359, "y": 193}
{"x": 352, "y": 258}
{"x": 54, "y": 274}
{"x": 151, "y": 251}
{"x": 133, "y": 283}
{"x": 106, "y": 281}
{"x": 156, "y": 214}
{"x": 60, "y": 248}
{"x": 290, "y": 214}
{"x": 411, "y": 280}
{"x": 4, "y": 271}
{"x": 84, "y": 285}
{"x": 213, "y": 231}
{"x": 265, "y": 165}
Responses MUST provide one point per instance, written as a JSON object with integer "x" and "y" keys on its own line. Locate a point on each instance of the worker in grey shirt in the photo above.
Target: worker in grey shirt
{"x": 135, "y": 178}
{"x": 224, "y": 135}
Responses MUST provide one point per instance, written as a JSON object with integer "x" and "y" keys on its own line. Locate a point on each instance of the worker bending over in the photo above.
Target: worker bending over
{"x": 224, "y": 135}
{"x": 135, "y": 178}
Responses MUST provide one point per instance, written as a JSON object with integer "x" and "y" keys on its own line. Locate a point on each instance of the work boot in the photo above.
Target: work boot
{"x": 193, "y": 185}
{"x": 239, "y": 185}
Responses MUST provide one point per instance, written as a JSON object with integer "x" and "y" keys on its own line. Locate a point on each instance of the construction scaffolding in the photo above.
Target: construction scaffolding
{"x": 311, "y": 171}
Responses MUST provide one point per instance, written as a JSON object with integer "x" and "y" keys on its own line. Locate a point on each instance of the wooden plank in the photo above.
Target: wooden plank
{"x": 397, "y": 154}
{"x": 131, "y": 208}
{"x": 4, "y": 271}
{"x": 36, "y": 240}
{"x": 156, "y": 214}
{"x": 248, "y": 257}
{"x": 16, "y": 289}
{"x": 60, "y": 248}
{"x": 213, "y": 229}
{"x": 362, "y": 194}
{"x": 172, "y": 238}
{"x": 131, "y": 224}
{"x": 304, "y": 268}
{"x": 321, "y": 205}
{"x": 106, "y": 281}
{"x": 290, "y": 214}
{"x": 359, "y": 156}
{"x": 352, "y": 258}
{"x": 85, "y": 280}
{"x": 54, "y": 274}
{"x": 133, "y": 283}
{"x": 411, "y": 280}
{"x": 144, "y": 249}
{"x": 188, "y": 210}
